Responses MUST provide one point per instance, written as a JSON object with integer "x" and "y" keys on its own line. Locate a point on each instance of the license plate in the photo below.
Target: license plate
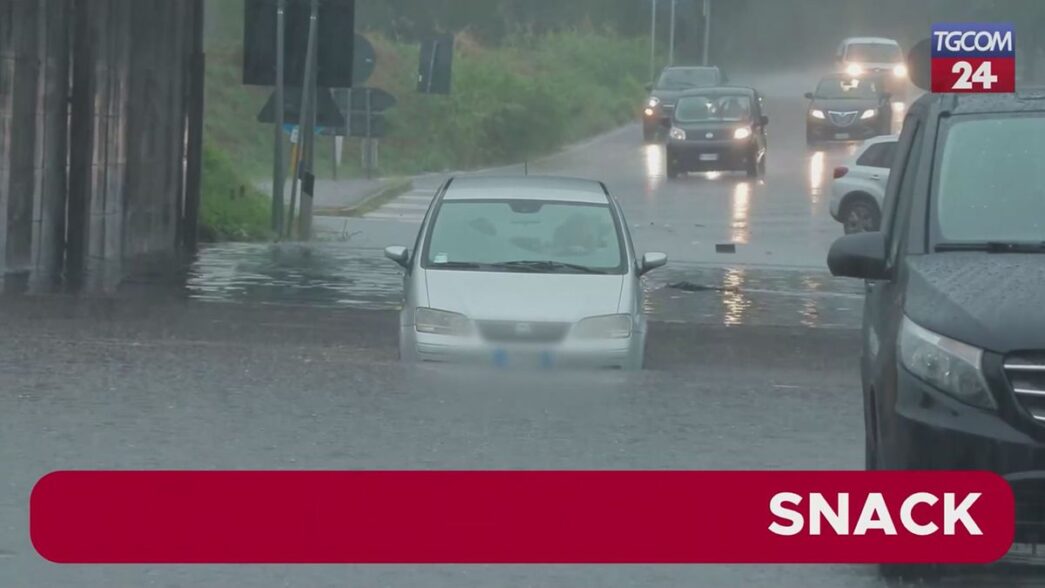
{"x": 709, "y": 156}
{"x": 841, "y": 135}
{"x": 542, "y": 360}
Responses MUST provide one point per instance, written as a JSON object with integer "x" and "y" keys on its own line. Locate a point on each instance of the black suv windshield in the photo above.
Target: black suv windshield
{"x": 682, "y": 78}
{"x": 990, "y": 182}
{"x": 839, "y": 88}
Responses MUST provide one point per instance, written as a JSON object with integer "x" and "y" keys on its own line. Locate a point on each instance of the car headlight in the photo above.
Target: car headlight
{"x": 900, "y": 71}
{"x": 742, "y": 133}
{"x": 869, "y": 113}
{"x": 677, "y": 134}
{"x": 817, "y": 114}
{"x": 854, "y": 69}
{"x": 950, "y": 366}
{"x": 653, "y": 102}
{"x": 441, "y": 322}
{"x": 648, "y": 112}
{"x": 614, "y": 326}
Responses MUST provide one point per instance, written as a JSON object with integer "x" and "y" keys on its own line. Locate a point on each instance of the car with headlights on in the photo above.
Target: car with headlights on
{"x": 718, "y": 129}
{"x": 526, "y": 272}
{"x": 859, "y": 56}
{"x": 672, "y": 83}
{"x": 953, "y": 363}
{"x": 844, "y": 108}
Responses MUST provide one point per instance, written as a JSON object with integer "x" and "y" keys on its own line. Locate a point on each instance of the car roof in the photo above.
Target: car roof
{"x": 876, "y": 140}
{"x": 1024, "y": 100}
{"x": 564, "y": 189}
{"x": 674, "y": 67}
{"x": 722, "y": 90}
{"x": 870, "y": 41}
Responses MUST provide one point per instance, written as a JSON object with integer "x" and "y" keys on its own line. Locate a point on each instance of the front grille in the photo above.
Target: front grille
{"x": 523, "y": 332}
{"x": 842, "y": 119}
{"x": 1026, "y": 374}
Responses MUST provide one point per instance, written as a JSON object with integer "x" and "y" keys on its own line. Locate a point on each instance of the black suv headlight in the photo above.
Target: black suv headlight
{"x": 953, "y": 367}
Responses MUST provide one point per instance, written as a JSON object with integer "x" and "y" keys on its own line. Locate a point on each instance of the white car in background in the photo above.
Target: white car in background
{"x": 859, "y": 187}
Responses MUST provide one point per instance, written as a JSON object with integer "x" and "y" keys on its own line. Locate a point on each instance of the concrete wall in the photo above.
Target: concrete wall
{"x": 94, "y": 106}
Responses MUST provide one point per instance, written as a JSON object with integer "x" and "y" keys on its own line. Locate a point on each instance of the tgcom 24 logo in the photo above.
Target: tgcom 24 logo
{"x": 973, "y": 58}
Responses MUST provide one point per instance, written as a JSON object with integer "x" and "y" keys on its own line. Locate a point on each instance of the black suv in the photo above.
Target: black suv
{"x": 671, "y": 84}
{"x": 954, "y": 319}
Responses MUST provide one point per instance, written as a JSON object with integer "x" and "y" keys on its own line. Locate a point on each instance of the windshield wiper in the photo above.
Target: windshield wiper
{"x": 541, "y": 266}
{"x": 996, "y": 247}
{"x": 455, "y": 265}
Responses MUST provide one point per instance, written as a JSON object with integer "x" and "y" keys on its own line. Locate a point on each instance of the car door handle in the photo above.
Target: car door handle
{"x": 876, "y": 177}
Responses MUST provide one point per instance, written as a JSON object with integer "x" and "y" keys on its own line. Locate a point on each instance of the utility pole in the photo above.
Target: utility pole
{"x": 278, "y": 179}
{"x": 707, "y": 30}
{"x": 653, "y": 44}
{"x": 671, "y": 41}
{"x": 308, "y": 127}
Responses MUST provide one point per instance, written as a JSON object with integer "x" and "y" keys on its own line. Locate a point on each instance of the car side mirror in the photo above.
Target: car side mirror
{"x": 400, "y": 255}
{"x": 652, "y": 261}
{"x": 764, "y": 120}
{"x": 861, "y": 255}
{"x": 808, "y": 95}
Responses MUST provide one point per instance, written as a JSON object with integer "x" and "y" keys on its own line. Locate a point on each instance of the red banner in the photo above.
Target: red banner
{"x": 521, "y": 517}
{"x": 974, "y": 75}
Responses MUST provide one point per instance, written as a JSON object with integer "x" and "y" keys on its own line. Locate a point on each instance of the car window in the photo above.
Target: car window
{"x": 990, "y": 180}
{"x": 501, "y": 231}
{"x": 901, "y": 208}
{"x": 873, "y": 53}
{"x": 713, "y": 108}
{"x": 680, "y": 79}
{"x": 872, "y": 157}
{"x": 838, "y": 88}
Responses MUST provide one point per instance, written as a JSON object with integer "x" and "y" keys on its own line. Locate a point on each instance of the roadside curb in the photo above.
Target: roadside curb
{"x": 393, "y": 188}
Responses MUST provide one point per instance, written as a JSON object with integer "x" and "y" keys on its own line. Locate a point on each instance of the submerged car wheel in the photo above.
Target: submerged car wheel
{"x": 860, "y": 215}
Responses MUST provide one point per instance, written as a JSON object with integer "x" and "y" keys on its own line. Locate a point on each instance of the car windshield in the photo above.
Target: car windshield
{"x": 991, "y": 183}
{"x": 841, "y": 88}
{"x": 873, "y": 53}
{"x": 726, "y": 108}
{"x": 678, "y": 79}
{"x": 555, "y": 236}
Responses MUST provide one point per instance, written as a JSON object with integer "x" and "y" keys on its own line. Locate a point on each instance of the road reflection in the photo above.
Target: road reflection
{"x": 653, "y": 156}
{"x": 816, "y": 175}
{"x": 734, "y": 301}
{"x": 741, "y": 213}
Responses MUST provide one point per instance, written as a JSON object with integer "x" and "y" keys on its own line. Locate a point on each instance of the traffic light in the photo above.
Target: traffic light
{"x": 336, "y": 27}
{"x": 437, "y": 56}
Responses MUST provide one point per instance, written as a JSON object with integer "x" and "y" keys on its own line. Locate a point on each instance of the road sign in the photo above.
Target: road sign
{"x": 364, "y": 61}
{"x": 379, "y": 100}
{"x": 335, "y": 59}
{"x": 437, "y": 56}
{"x": 327, "y": 112}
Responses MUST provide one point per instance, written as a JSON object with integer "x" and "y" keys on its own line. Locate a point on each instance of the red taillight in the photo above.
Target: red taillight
{"x": 841, "y": 171}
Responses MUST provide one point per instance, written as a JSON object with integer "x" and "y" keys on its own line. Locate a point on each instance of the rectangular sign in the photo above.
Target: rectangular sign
{"x": 973, "y": 58}
{"x": 521, "y": 517}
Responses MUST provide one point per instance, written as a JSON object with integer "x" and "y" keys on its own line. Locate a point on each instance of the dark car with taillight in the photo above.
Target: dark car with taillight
{"x": 954, "y": 319}
{"x": 718, "y": 129}
{"x": 844, "y": 108}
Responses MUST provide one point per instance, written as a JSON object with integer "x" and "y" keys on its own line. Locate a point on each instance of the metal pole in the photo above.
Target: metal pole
{"x": 369, "y": 139}
{"x": 707, "y": 30}
{"x": 653, "y": 45}
{"x": 308, "y": 125}
{"x": 278, "y": 178}
{"x": 194, "y": 165}
{"x": 671, "y": 42}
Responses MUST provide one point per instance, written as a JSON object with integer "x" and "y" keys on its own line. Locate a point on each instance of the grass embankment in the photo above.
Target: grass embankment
{"x": 520, "y": 100}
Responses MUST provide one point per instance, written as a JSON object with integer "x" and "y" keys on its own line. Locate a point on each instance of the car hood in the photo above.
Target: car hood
{"x": 845, "y": 104}
{"x": 992, "y": 301}
{"x": 669, "y": 97}
{"x": 524, "y": 296}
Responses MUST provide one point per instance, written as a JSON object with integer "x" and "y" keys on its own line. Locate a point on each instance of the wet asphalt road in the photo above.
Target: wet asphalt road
{"x": 284, "y": 357}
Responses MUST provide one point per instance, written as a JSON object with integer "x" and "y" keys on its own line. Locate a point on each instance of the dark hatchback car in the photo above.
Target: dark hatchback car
{"x": 718, "y": 129}
{"x": 672, "y": 83}
{"x": 844, "y": 108}
{"x": 954, "y": 319}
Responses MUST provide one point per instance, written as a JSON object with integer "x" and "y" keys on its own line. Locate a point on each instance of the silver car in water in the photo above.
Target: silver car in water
{"x": 531, "y": 272}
